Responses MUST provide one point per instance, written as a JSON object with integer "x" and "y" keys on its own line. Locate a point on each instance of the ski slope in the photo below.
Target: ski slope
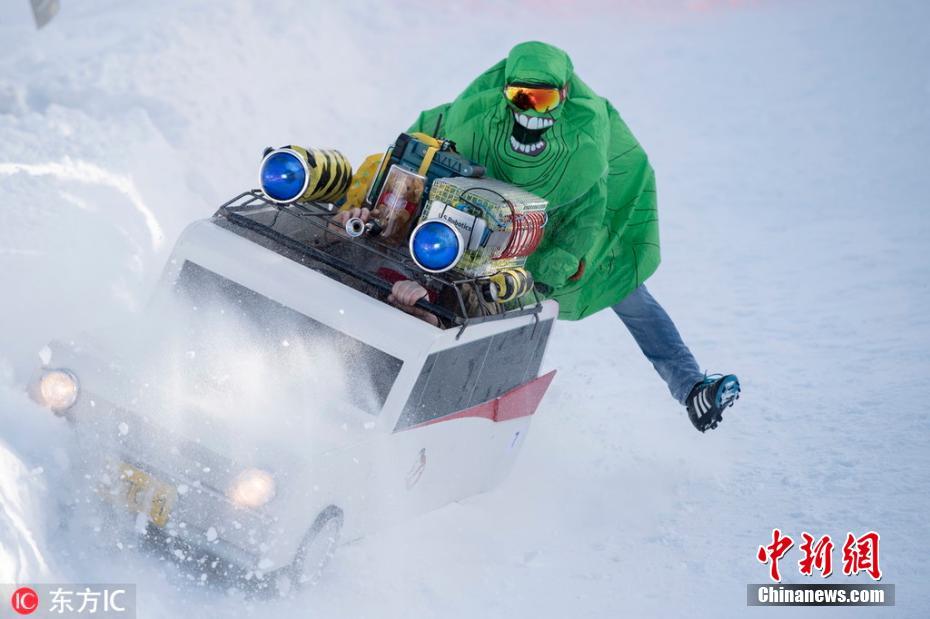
{"x": 790, "y": 141}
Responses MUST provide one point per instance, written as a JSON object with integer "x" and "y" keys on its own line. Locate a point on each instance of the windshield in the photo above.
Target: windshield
{"x": 242, "y": 336}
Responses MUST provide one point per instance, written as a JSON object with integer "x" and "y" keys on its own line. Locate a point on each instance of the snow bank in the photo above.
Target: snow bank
{"x": 31, "y": 459}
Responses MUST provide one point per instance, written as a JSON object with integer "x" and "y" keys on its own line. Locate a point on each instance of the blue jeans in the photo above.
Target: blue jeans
{"x": 659, "y": 340}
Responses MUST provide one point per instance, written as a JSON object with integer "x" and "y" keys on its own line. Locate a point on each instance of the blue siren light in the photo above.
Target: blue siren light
{"x": 284, "y": 175}
{"x": 436, "y": 246}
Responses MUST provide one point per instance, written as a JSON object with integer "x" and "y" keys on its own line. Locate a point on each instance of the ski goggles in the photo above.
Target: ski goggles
{"x": 539, "y": 98}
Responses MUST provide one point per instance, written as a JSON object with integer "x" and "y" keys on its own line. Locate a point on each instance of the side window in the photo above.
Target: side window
{"x": 538, "y": 349}
{"x": 465, "y": 376}
{"x": 513, "y": 359}
{"x": 445, "y": 384}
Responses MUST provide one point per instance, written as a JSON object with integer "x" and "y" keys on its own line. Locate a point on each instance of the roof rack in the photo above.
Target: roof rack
{"x": 302, "y": 232}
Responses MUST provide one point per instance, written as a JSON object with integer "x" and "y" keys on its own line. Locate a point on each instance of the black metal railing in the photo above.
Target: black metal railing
{"x": 305, "y": 229}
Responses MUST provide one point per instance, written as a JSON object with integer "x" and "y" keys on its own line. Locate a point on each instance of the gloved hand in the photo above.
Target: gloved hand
{"x": 558, "y": 267}
{"x": 405, "y": 294}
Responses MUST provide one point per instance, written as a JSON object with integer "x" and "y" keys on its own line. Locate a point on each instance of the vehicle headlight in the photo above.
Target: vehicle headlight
{"x": 58, "y": 390}
{"x": 252, "y": 488}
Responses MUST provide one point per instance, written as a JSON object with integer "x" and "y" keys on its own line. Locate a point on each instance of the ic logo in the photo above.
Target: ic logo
{"x": 25, "y": 601}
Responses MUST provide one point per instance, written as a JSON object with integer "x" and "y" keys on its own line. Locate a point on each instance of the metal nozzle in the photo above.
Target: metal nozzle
{"x": 355, "y": 227}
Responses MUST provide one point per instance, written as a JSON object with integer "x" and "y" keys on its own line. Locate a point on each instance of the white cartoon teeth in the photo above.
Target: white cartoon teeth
{"x": 533, "y": 122}
{"x": 527, "y": 149}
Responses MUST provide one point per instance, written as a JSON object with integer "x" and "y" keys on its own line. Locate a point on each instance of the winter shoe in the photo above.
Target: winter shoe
{"x": 709, "y": 397}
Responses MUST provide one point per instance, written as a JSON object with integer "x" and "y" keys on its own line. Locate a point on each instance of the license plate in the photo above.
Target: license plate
{"x": 142, "y": 493}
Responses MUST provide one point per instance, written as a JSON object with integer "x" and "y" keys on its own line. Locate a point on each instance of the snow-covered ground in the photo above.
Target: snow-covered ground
{"x": 790, "y": 141}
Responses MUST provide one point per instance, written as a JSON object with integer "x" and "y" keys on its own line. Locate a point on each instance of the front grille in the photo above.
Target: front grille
{"x": 200, "y": 475}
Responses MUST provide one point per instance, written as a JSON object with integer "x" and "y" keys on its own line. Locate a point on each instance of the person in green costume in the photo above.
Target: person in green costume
{"x": 532, "y": 122}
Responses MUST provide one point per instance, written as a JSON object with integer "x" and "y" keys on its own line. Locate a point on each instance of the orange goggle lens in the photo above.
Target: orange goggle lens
{"x": 538, "y": 99}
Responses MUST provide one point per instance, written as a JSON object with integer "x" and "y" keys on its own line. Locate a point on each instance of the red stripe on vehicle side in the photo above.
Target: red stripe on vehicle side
{"x": 520, "y": 401}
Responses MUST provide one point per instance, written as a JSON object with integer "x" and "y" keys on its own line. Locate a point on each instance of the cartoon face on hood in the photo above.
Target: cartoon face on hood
{"x": 535, "y": 90}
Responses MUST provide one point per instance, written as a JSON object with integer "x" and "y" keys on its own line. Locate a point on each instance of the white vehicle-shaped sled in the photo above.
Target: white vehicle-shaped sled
{"x": 290, "y": 403}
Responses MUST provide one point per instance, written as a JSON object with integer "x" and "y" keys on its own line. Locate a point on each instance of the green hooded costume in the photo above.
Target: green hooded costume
{"x": 581, "y": 157}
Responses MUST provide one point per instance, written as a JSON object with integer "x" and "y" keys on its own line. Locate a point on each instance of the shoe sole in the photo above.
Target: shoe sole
{"x": 727, "y": 392}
